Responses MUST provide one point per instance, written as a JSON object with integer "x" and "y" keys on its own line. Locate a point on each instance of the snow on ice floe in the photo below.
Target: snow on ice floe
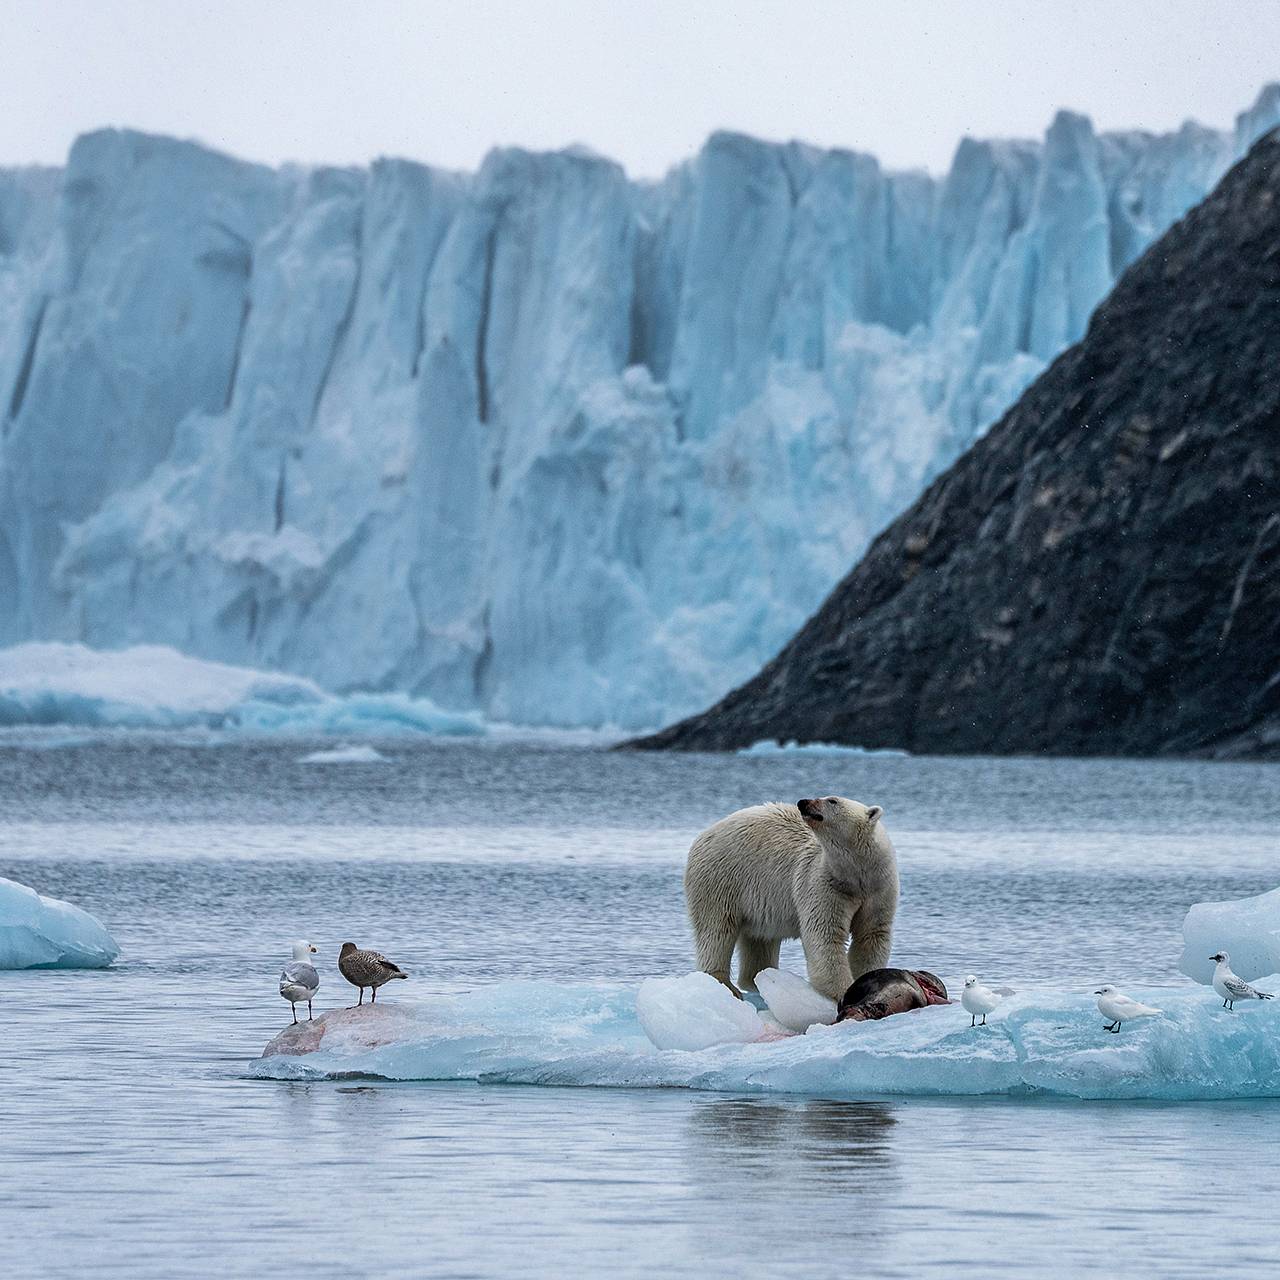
{"x": 46, "y": 933}
{"x": 345, "y": 754}
{"x": 1048, "y": 1043}
{"x": 772, "y": 747}
{"x": 156, "y": 687}
{"x": 1248, "y": 929}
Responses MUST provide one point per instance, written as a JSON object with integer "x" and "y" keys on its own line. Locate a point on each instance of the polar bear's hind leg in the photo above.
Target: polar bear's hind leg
{"x": 755, "y": 954}
{"x": 715, "y": 951}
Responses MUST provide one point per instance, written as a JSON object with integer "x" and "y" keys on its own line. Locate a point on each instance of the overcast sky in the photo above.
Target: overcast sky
{"x": 643, "y": 82}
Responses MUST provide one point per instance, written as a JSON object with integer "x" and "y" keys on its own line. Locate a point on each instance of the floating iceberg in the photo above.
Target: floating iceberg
{"x": 1247, "y": 928}
{"x": 46, "y": 933}
{"x": 155, "y": 687}
{"x": 1050, "y": 1044}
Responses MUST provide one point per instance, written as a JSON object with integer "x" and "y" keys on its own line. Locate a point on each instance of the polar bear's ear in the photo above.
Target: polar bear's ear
{"x": 873, "y": 815}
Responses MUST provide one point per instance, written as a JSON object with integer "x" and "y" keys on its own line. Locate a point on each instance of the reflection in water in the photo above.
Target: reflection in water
{"x": 797, "y": 1167}
{"x": 814, "y": 1130}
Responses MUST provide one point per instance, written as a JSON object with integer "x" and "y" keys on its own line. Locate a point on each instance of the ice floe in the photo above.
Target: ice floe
{"x": 46, "y": 933}
{"x": 345, "y": 754}
{"x": 1048, "y": 1043}
{"x": 771, "y": 747}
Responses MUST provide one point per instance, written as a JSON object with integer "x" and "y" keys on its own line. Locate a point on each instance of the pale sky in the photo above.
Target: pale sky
{"x": 643, "y": 82}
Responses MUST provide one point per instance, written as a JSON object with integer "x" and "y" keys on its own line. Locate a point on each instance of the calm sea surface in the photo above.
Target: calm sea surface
{"x": 131, "y": 1143}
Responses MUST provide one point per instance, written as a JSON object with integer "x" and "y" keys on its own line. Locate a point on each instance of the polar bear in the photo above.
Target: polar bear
{"x": 817, "y": 870}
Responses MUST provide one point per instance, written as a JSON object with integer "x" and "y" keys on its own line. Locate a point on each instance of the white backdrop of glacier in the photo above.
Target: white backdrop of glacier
{"x": 539, "y": 441}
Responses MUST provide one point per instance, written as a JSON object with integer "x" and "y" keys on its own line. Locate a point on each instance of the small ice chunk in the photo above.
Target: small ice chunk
{"x": 772, "y": 747}
{"x": 346, "y": 754}
{"x": 47, "y": 933}
{"x": 1247, "y": 928}
{"x": 793, "y": 1002}
{"x": 695, "y": 1012}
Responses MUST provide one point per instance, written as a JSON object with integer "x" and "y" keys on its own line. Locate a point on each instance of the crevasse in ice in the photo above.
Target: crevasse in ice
{"x": 540, "y": 442}
{"x": 1048, "y": 1043}
{"x": 39, "y": 932}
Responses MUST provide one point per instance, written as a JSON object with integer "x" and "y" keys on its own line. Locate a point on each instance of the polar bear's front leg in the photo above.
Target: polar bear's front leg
{"x": 872, "y": 935}
{"x": 825, "y": 958}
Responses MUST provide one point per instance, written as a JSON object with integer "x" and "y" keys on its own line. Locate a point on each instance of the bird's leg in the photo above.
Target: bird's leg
{"x": 373, "y": 999}
{"x": 310, "y": 1015}
{"x": 294, "y": 1007}
{"x": 984, "y": 1019}
{"x": 361, "y": 1000}
{"x": 973, "y": 1019}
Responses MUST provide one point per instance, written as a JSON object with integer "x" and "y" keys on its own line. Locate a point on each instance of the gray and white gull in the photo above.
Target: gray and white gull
{"x": 299, "y": 980}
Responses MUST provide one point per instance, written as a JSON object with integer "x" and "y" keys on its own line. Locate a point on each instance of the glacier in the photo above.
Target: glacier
{"x": 1043, "y": 1044}
{"x": 540, "y": 443}
{"x": 155, "y": 687}
{"x": 46, "y": 933}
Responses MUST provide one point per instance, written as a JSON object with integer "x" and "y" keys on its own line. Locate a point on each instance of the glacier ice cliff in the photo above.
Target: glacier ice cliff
{"x": 540, "y": 442}
{"x": 46, "y": 933}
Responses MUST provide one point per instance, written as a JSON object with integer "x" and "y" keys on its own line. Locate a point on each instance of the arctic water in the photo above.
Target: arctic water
{"x": 135, "y": 1141}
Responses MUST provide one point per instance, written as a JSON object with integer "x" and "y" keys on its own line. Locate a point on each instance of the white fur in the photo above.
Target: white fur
{"x": 761, "y": 875}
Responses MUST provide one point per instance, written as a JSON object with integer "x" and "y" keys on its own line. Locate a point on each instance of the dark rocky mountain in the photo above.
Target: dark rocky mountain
{"x": 1100, "y": 574}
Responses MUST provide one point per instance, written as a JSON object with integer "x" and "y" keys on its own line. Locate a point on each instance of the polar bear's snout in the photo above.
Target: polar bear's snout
{"x": 809, "y": 810}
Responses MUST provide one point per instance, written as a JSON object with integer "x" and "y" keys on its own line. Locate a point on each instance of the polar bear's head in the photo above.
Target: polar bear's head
{"x": 840, "y": 822}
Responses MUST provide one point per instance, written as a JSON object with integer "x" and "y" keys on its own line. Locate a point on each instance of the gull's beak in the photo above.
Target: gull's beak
{"x": 1097, "y": 993}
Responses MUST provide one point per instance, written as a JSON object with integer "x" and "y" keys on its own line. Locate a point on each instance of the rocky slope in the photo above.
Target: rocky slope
{"x": 1100, "y": 574}
{"x": 540, "y": 442}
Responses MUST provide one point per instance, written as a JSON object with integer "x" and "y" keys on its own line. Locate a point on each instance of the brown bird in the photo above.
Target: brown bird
{"x": 366, "y": 969}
